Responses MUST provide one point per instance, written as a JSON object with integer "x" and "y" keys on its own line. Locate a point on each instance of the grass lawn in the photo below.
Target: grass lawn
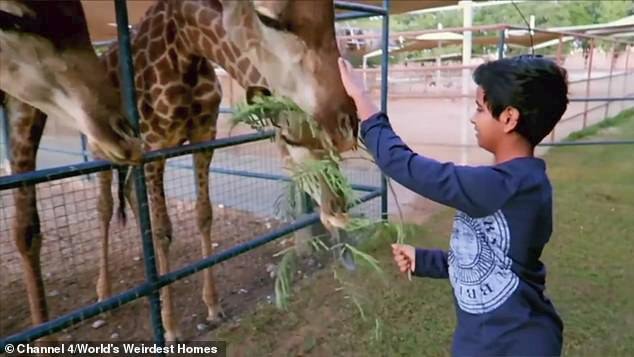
{"x": 590, "y": 261}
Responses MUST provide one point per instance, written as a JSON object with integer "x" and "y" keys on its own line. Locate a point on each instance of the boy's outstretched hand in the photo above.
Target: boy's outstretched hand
{"x": 353, "y": 83}
{"x": 404, "y": 256}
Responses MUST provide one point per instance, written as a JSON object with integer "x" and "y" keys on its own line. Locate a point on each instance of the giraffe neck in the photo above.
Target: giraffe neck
{"x": 200, "y": 27}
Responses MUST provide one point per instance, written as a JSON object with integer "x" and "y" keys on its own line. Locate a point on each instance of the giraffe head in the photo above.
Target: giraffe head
{"x": 293, "y": 45}
{"x": 47, "y": 61}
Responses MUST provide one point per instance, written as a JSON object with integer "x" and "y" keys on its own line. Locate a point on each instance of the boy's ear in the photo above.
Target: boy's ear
{"x": 510, "y": 119}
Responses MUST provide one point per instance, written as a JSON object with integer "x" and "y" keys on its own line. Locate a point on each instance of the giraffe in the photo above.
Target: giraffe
{"x": 178, "y": 100}
{"x": 179, "y": 97}
{"x": 47, "y": 61}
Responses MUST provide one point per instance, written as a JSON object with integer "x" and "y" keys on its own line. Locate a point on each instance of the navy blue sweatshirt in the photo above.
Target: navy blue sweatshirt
{"x": 503, "y": 221}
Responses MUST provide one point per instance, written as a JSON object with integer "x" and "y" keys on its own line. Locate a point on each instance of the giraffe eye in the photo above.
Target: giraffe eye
{"x": 273, "y": 23}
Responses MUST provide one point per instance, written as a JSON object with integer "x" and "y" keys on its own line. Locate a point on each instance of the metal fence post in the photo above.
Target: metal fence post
{"x": 626, "y": 74}
{"x": 304, "y": 236}
{"x": 129, "y": 97}
{"x": 385, "y": 44}
{"x": 612, "y": 62}
{"x": 84, "y": 145}
{"x": 588, "y": 80}
{"x": 5, "y": 153}
{"x": 84, "y": 149}
{"x": 501, "y": 44}
{"x": 466, "y": 78}
{"x": 560, "y": 50}
{"x": 560, "y": 62}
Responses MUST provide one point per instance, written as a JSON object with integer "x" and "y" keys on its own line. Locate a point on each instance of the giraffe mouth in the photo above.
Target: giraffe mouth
{"x": 121, "y": 146}
{"x": 129, "y": 153}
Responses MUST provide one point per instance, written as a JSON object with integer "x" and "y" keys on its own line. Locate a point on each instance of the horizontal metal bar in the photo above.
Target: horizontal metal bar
{"x": 573, "y": 34}
{"x": 104, "y": 43}
{"x": 209, "y": 145}
{"x": 205, "y": 263}
{"x": 354, "y": 15}
{"x": 244, "y": 173}
{"x": 620, "y": 74}
{"x": 57, "y": 173}
{"x": 265, "y": 176}
{"x": 226, "y": 110}
{"x": 219, "y": 170}
{"x": 345, "y": 5}
{"x": 406, "y": 34}
{"x": 601, "y": 99}
{"x": 77, "y": 316}
{"x": 65, "y": 152}
{"x": 587, "y": 143}
{"x": 275, "y": 177}
{"x": 144, "y": 289}
{"x": 370, "y": 196}
{"x": 575, "y": 116}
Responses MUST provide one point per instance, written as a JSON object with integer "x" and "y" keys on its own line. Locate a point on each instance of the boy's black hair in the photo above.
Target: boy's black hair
{"x": 535, "y": 86}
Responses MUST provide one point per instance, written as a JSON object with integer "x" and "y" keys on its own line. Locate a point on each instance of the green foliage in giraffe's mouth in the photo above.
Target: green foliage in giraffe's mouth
{"x": 284, "y": 114}
{"x": 268, "y": 111}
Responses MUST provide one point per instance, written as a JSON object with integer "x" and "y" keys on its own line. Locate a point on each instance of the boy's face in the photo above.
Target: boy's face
{"x": 487, "y": 129}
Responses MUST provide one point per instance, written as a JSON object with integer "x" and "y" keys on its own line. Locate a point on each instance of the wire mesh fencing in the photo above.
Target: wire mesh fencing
{"x": 246, "y": 188}
{"x": 70, "y": 253}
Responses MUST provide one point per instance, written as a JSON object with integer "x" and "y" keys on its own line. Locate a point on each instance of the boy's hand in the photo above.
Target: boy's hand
{"x": 404, "y": 256}
{"x": 353, "y": 84}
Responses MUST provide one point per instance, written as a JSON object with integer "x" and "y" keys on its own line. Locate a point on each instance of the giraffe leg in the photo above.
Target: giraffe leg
{"x": 130, "y": 197}
{"x": 27, "y": 125}
{"x": 204, "y": 217}
{"x": 162, "y": 234}
{"x": 104, "y": 208}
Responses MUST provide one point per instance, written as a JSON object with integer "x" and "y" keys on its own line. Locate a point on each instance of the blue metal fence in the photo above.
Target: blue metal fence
{"x": 4, "y": 137}
{"x": 153, "y": 282}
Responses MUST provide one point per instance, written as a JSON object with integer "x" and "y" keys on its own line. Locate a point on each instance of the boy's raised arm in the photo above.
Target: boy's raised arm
{"x": 477, "y": 191}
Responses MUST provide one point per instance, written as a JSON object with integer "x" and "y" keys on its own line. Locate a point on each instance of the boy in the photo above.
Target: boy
{"x": 504, "y": 215}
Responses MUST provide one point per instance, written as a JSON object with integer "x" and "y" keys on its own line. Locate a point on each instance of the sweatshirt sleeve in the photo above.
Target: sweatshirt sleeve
{"x": 477, "y": 191}
{"x": 431, "y": 263}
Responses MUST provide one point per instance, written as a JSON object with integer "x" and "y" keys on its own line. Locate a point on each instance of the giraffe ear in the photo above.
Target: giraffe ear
{"x": 256, "y": 91}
